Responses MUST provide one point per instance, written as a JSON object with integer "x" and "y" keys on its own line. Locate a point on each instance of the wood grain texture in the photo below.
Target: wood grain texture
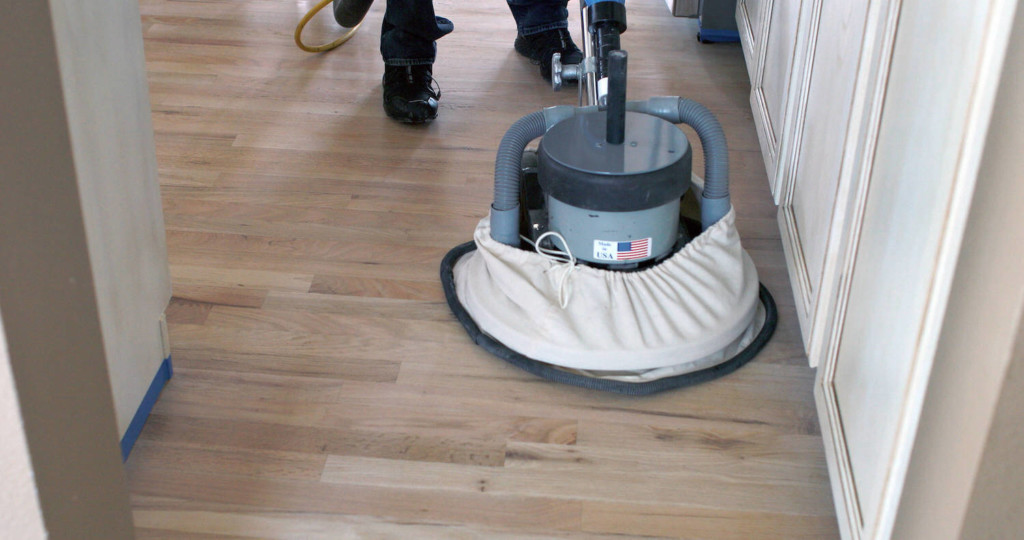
{"x": 324, "y": 390}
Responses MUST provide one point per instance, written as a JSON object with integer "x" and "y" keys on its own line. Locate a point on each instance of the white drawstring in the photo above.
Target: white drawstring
{"x": 558, "y": 256}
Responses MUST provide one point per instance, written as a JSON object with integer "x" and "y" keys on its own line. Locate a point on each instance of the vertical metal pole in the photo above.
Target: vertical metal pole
{"x": 588, "y": 84}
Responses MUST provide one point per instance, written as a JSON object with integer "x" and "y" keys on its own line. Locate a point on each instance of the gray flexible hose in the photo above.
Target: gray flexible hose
{"x": 712, "y": 141}
{"x": 510, "y": 157}
{"x": 715, "y": 201}
{"x": 505, "y": 209}
{"x": 715, "y": 204}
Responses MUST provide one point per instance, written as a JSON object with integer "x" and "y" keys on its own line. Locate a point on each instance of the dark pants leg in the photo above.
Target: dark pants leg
{"x": 409, "y": 32}
{"x": 533, "y": 16}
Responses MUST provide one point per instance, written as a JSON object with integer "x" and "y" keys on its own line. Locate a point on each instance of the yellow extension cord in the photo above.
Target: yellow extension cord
{"x": 327, "y": 46}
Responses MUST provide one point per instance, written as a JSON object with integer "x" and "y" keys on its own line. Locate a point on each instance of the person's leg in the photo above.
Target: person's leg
{"x": 409, "y": 32}
{"x": 542, "y": 31}
{"x": 534, "y": 16}
{"x": 408, "y": 45}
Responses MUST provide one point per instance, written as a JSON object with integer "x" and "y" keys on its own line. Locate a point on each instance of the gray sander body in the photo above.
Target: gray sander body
{"x": 600, "y": 194}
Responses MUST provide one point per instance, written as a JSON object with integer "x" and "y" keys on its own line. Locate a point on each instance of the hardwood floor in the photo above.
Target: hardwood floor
{"x": 322, "y": 389}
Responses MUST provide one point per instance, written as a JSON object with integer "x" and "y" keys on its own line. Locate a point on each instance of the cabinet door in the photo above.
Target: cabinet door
{"x": 904, "y": 238}
{"x": 749, "y": 15}
{"x": 810, "y": 169}
{"x": 769, "y": 88}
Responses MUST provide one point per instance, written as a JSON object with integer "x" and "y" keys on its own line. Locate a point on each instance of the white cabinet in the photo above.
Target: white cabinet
{"x": 803, "y": 58}
{"x": 872, "y": 122}
{"x": 748, "y": 20}
{"x": 768, "y": 33}
{"x": 807, "y": 177}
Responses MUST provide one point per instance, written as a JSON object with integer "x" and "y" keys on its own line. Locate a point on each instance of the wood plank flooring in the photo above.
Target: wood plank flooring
{"x": 322, "y": 389}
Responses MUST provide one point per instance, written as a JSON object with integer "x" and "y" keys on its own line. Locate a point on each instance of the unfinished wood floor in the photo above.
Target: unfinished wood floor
{"x": 323, "y": 390}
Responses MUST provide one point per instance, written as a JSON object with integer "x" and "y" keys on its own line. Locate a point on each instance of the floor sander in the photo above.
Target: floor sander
{"x": 587, "y": 271}
{"x": 584, "y": 272}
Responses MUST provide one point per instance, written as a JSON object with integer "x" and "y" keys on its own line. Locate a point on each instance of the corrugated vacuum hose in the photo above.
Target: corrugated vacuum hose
{"x": 348, "y": 13}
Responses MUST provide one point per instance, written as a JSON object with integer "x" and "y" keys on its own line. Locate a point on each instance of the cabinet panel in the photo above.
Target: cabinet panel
{"x": 754, "y": 10}
{"x": 771, "y": 76}
{"x": 812, "y": 187}
{"x": 904, "y": 231}
{"x": 911, "y": 226}
{"x": 749, "y": 22}
{"x": 778, "y": 60}
{"x": 873, "y": 137}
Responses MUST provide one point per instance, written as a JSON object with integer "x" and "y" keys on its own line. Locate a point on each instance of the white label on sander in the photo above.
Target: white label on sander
{"x": 630, "y": 250}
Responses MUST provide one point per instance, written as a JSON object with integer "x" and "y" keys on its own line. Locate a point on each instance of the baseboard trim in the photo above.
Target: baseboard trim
{"x": 163, "y": 375}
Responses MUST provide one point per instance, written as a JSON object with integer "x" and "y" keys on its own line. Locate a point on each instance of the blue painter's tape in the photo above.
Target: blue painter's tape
{"x": 589, "y": 3}
{"x": 711, "y": 35}
{"x": 163, "y": 375}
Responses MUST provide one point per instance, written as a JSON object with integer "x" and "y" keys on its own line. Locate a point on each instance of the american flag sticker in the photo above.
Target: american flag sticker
{"x": 605, "y": 250}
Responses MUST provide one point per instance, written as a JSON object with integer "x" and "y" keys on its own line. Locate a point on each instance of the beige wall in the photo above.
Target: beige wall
{"x": 967, "y": 467}
{"x": 995, "y": 507}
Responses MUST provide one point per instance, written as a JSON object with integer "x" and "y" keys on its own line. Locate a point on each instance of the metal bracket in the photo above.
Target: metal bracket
{"x": 561, "y": 73}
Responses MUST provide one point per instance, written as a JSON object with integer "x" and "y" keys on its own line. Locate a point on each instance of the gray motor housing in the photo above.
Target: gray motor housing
{"x": 616, "y": 205}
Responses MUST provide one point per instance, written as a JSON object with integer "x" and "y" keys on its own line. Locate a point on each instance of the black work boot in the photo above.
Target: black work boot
{"x": 540, "y": 46}
{"x": 409, "y": 94}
